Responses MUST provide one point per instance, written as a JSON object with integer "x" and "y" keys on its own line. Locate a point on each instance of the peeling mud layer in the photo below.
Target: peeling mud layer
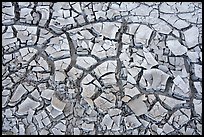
{"x": 102, "y": 68}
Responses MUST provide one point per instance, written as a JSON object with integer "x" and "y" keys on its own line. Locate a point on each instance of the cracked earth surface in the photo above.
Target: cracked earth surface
{"x": 107, "y": 68}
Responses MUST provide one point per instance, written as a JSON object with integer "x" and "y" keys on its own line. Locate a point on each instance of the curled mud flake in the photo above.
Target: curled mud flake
{"x": 176, "y": 47}
{"x": 138, "y": 106}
